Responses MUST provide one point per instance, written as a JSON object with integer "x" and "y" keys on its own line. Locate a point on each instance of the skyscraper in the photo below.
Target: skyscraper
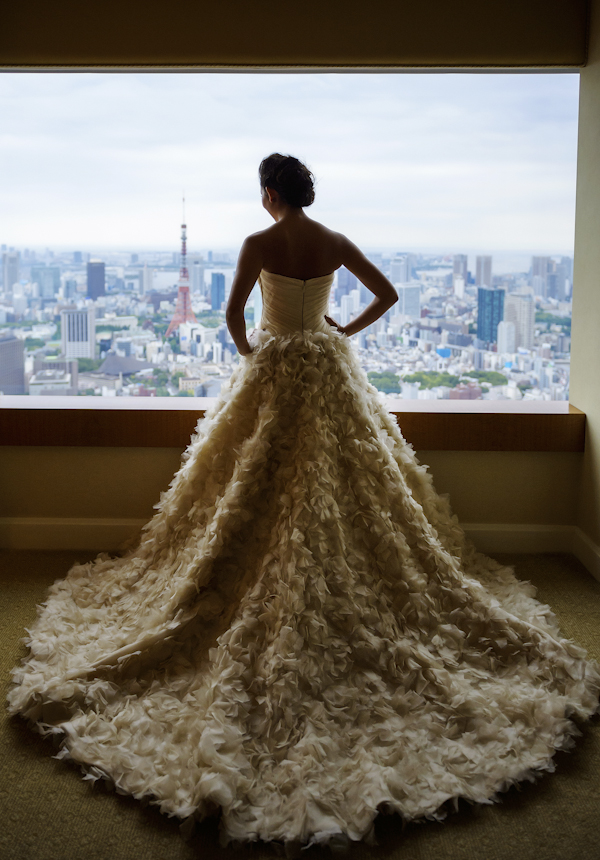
{"x": 12, "y": 364}
{"x": 409, "y": 301}
{"x": 146, "y": 280}
{"x": 217, "y": 290}
{"x": 197, "y": 273}
{"x": 540, "y": 267}
{"x": 399, "y": 273}
{"x": 10, "y": 270}
{"x": 483, "y": 272}
{"x": 506, "y": 337}
{"x": 96, "y": 279}
{"x": 459, "y": 268}
{"x": 520, "y": 310}
{"x": 490, "y": 312}
{"x": 48, "y": 280}
{"x": 78, "y": 332}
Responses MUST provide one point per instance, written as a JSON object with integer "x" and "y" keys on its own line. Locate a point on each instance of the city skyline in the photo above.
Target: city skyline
{"x": 477, "y": 163}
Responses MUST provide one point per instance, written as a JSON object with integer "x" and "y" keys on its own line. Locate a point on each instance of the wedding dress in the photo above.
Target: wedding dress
{"x": 302, "y": 636}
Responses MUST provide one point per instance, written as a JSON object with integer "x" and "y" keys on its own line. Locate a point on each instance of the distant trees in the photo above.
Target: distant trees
{"x": 433, "y": 379}
{"x": 389, "y": 383}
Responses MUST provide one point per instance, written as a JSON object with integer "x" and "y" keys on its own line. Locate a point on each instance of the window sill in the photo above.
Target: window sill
{"x": 148, "y": 422}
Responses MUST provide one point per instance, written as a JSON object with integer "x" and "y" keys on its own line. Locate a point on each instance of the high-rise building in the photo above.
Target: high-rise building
{"x": 346, "y": 308}
{"x": 217, "y": 290}
{"x": 146, "y": 280}
{"x": 48, "y": 280}
{"x": 459, "y": 286}
{"x": 77, "y": 257}
{"x": 70, "y": 288}
{"x": 506, "y": 337}
{"x": 346, "y": 282}
{"x": 12, "y": 364}
{"x": 490, "y": 312}
{"x": 197, "y": 273}
{"x": 483, "y": 271}
{"x": 459, "y": 268}
{"x": 78, "y": 332}
{"x": 540, "y": 268}
{"x": 96, "y": 279}
{"x": 10, "y": 270}
{"x": 399, "y": 273}
{"x": 409, "y": 301}
{"x": 520, "y": 310}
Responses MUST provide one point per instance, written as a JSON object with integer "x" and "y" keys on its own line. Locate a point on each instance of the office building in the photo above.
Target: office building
{"x": 490, "y": 312}
{"x": 96, "y": 279}
{"x": 540, "y": 268}
{"x": 459, "y": 268}
{"x": 346, "y": 282}
{"x": 409, "y": 301}
{"x": 197, "y": 277}
{"x": 506, "y": 337}
{"x": 78, "y": 332}
{"x": 10, "y": 270}
{"x": 51, "y": 382}
{"x": 12, "y": 364}
{"x": 520, "y": 310}
{"x": 68, "y": 367}
{"x": 77, "y": 257}
{"x": 217, "y": 291}
{"x": 399, "y": 273}
{"x": 459, "y": 285}
{"x": 346, "y": 309}
{"x": 47, "y": 279}
{"x": 483, "y": 271}
{"x": 146, "y": 280}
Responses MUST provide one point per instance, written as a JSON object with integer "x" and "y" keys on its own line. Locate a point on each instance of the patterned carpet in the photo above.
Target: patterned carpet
{"x": 48, "y": 812}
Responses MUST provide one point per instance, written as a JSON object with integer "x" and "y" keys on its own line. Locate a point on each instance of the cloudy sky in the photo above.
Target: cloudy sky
{"x": 456, "y": 162}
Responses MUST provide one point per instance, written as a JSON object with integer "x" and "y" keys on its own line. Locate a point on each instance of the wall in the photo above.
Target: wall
{"x": 585, "y": 359}
{"x": 95, "y": 497}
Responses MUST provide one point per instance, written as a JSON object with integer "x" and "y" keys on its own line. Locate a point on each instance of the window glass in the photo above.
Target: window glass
{"x": 460, "y": 187}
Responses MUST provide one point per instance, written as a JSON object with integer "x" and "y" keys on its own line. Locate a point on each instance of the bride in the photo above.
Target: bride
{"x": 302, "y": 637}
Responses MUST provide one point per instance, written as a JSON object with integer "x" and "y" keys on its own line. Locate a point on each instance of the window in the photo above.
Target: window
{"x": 459, "y": 186}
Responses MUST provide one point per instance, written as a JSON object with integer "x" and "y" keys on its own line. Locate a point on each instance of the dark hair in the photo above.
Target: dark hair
{"x": 292, "y": 180}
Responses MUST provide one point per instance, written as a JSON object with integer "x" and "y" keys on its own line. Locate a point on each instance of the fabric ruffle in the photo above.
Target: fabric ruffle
{"x": 302, "y": 635}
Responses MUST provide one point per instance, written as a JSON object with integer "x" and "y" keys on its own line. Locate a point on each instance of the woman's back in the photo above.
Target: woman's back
{"x": 300, "y": 248}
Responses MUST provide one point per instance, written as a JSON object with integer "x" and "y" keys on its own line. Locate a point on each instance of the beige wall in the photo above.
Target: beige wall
{"x": 585, "y": 359}
{"x": 484, "y": 487}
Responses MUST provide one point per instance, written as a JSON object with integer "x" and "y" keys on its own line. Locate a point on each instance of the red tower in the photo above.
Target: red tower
{"x": 183, "y": 308}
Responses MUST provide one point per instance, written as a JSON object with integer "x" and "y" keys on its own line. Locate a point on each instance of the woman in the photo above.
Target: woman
{"x": 303, "y": 636}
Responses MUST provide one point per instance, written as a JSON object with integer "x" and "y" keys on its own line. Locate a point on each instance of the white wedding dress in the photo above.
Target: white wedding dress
{"x": 302, "y": 635}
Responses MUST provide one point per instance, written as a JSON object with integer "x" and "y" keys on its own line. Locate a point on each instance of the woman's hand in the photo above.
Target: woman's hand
{"x": 335, "y": 325}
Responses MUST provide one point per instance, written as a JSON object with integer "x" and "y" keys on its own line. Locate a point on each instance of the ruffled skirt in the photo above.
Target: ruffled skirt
{"x": 302, "y": 636}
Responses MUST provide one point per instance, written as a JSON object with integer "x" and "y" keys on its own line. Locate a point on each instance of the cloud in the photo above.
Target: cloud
{"x": 402, "y": 160}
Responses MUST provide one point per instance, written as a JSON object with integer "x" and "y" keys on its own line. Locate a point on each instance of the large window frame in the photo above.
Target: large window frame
{"x": 461, "y": 36}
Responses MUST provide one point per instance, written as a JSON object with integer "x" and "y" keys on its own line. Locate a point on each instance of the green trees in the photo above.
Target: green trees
{"x": 389, "y": 383}
{"x": 432, "y": 379}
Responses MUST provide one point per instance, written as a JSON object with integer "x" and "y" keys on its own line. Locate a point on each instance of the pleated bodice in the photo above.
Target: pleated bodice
{"x": 292, "y": 304}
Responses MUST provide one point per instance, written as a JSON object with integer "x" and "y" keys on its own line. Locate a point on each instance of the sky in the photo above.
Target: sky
{"x": 450, "y": 162}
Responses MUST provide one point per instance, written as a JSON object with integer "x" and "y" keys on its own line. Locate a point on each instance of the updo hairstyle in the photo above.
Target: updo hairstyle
{"x": 292, "y": 180}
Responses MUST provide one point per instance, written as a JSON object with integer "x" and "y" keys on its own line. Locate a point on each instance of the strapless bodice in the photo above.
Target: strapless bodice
{"x": 292, "y": 304}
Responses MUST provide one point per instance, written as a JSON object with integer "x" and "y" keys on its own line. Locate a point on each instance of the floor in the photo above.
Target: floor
{"x": 49, "y": 813}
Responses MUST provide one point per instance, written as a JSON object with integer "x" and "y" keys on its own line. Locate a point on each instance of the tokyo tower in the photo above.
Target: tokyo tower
{"x": 183, "y": 308}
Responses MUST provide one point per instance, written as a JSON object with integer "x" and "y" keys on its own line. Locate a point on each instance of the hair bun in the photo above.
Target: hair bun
{"x": 292, "y": 179}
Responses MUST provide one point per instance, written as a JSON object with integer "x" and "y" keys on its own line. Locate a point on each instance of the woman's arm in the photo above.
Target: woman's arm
{"x": 247, "y": 271}
{"x": 374, "y": 280}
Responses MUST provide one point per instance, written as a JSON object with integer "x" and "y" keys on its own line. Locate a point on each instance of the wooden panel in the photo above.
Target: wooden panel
{"x": 267, "y": 33}
{"x": 427, "y": 431}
